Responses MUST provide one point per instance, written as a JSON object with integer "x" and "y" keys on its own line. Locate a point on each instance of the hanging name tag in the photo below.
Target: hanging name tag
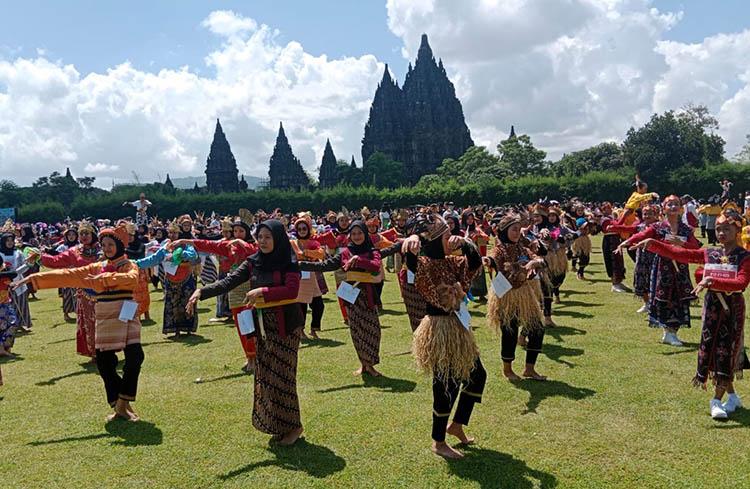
{"x": 347, "y": 292}
{"x": 21, "y": 290}
{"x": 305, "y": 274}
{"x": 500, "y": 285}
{"x": 720, "y": 270}
{"x": 671, "y": 237}
{"x": 246, "y": 322}
{"x": 128, "y": 310}
{"x": 409, "y": 277}
{"x": 464, "y": 316}
{"x": 170, "y": 268}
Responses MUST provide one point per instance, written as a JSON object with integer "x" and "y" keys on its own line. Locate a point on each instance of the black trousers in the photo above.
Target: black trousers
{"x": 711, "y": 236}
{"x": 444, "y": 394}
{"x": 378, "y": 288}
{"x": 317, "y": 307}
{"x": 583, "y": 262}
{"x": 509, "y": 340}
{"x": 117, "y": 387}
{"x": 614, "y": 264}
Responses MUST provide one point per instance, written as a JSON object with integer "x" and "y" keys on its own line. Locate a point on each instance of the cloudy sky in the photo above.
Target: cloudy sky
{"x": 111, "y": 89}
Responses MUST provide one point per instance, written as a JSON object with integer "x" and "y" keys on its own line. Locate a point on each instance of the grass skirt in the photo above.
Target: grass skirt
{"x": 442, "y": 347}
{"x": 520, "y": 303}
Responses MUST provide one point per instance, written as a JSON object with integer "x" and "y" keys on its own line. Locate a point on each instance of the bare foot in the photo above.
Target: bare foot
{"x": 67, "y": 318}
{"x": 457, "y": 430}
{"x": 5, "y": 353}
{"x": 371, "y": 370}
{"x": 446, "y": 451}
{"x": 314, "y": 334}
{"x": 147, "y": 317}
{"x": 303, "y": 335}
{"x": 510, "y": 374}
{"x": 358, "y": 371}
{"x": 291, "y": 437}
{"x": 522, "y": 341}
{"x": 532, "y": 374}
{"x": 549, "y": 323}
{"x": 557, "y": 300}
{"x": 249, "y": 367}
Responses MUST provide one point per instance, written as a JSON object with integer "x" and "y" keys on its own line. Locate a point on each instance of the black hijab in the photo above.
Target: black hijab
{"x": 120, "y": 249}
{"x": 3, "y": 248}
{"x": 282, "y": 258}
{"x": 70, "y": 243}
{"x": 366, "y": 245}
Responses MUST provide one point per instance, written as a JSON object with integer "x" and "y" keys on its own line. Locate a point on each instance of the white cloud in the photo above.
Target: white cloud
{"x": 101, "y": 168}
{"x": 572, "y": 73}
{"x": 157, "y": 123}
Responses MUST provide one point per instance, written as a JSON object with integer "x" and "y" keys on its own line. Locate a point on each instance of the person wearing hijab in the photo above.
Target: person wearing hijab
{"x": 136, "y": 251}
{"x": 443, "y": 347}
{"x": 360, "y": 263}
{"x": 70, "y": 240}
{"x": 112, "y": 283}
{"x": 519, "y": 307}
{"x": 85, "y": 253}
{"x": 273, "y": 276}
{"x": 474, "y": 232}
{"x": 232, "y": 254}
{"x": 337, "y": 239}
{"x": 15, "y": 261}
{"x": 8, "y": 317}
{"x": 307, "y": 248}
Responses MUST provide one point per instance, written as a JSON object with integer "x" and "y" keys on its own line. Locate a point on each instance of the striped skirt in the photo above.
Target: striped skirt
{"x": 85, "y": 325}
{"x": 69, "y": 300}
{"x": 111, "y": 333}
{"x": 275, "y": 403}
{"x": 176, "y": 295}
{"x": 21, "y": 303}
{"x": 209, "y": 272}
{"x": 364, "y": 326}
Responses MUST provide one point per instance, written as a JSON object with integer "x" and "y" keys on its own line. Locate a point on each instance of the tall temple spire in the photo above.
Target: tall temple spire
{"x": 512, "y": 132}
{"x": 353, "y": 164}
{"x": 168, "y": 182}
{"x": 221, "y": 167}
{"x": 327, "y": 175}
{"x": 284, "y": 170}
{"x": 419, "y": 124}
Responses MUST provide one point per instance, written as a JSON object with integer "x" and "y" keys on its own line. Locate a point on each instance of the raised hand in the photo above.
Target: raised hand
{"x": 190, "y": 307}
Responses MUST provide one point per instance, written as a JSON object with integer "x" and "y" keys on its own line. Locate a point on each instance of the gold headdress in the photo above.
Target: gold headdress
{"x": 85, "y": 225}
{"x": 8, "y": 227}
{"x": 247, "y": 217}
{"x": 172, "y": 227}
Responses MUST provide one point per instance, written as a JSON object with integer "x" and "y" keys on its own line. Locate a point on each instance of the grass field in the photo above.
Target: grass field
{"x": 618, "y": 410}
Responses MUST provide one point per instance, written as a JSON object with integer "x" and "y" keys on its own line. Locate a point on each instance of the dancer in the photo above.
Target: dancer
{"x": 306, "y": 248}
{"x": 671, "y": 290}
{"x": 85, "y": 253}
{"x": 725, "y": 276}
{"x": 519, "y": 308}
{"x": 613, "y": 262}
{"x": 273, "y": 276}
{"x": 15, "y": 261}
{"x": 444, "y": 347}
{"x": 117, "y": 328}
{"x": 360, "y": 262}
{"x": 474, "y": 232}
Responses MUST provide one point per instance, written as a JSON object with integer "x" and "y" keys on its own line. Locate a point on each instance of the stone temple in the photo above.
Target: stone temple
{"x": 421, "y": 123}
{"x": 221, "y": 167}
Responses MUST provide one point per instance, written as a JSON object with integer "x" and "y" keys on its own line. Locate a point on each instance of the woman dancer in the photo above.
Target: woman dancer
{"x": 443, "y": 347}
{"x": 725, "y": 276}
{"x": 15, "y": 261}
{"x": 519, "y": 307}
{"x": 360, "y": 263}
{"x": 473, "y": 231}
{"x": 306, "y": 248}
{"x": 671, "y": 290}
{"x": 274, "y": 276}
{"x": 117, "y": 327}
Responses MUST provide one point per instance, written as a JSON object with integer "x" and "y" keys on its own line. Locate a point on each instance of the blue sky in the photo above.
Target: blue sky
{"x": 570, "y": 73}
{"x": 95, "y": 35}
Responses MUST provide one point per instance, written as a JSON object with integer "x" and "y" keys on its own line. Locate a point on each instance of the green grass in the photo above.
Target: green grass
{"x": 618, "y": 411}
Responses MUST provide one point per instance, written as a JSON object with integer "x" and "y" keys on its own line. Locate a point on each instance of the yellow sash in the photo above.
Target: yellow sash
{"x": 261, "y": 304}
{"x": 364, "y": 277}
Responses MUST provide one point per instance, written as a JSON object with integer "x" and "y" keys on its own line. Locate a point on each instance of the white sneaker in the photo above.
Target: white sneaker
{"x": 618, "y": 288}
{"x": 717, "y": 411}
{"x": 670, "y": 338}
{"x": 733, "y": 402}
{"x": 643, "y": 309}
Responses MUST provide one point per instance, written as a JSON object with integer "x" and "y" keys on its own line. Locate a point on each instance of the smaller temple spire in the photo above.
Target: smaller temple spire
{"x": 168, "y": 182}
{"x": 425, "y": 51}
{"x": 353, "y": 164}
{"x": 512, "y": 132}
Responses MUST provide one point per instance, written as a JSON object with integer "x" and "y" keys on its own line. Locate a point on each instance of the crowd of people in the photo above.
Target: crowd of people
{"x": 266, "y": 271}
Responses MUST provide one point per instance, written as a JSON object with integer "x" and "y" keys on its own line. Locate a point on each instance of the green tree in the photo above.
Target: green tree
{"x": 521, "y": 157}
{"x": 381, "y": 171}
{"x": 475, "y": 164}
{"x": 743, "y": 156}
{"x": 347, "y": 174}
{"x": 602, "y": 157}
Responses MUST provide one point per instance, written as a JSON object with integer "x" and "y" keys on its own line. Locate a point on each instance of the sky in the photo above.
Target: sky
{"x": 118, "y": 89}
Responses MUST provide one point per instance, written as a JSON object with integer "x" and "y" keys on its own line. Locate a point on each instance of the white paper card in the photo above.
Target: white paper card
{"x": 21, "y": 290}
{"x": 246, "y": 322}
{"x": 347, "y": 292}
{"x": 127, "y": 312}
{"x": 170, "y": 268}
{"x": 305, "y": 274}
{"x": 500, "y": 285}
{"x": 409, "y": 277}
{"x": 464, "y": 316}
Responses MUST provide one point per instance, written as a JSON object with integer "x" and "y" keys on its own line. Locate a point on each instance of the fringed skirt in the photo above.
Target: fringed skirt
{"x": 364, "y": 326}
{"x": 479, "y": 285}
{"x": 721, "y": 354}
{"x": 581, "y": 246}
{"x": 416, "y": 307}
{"x": 69, "y": 300}
{"x": 275, "y": 404}
{"x": 85, "y": 325}
{"x": 521, "y": 303}
{"x": 442, "y": 347}
{"x": 8, "y": 325}
{"x": 557, "y": 265}
{"x": 176, "y": 295}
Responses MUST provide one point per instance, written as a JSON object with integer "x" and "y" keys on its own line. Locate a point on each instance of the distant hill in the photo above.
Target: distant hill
{"x": 189, "y": 182}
